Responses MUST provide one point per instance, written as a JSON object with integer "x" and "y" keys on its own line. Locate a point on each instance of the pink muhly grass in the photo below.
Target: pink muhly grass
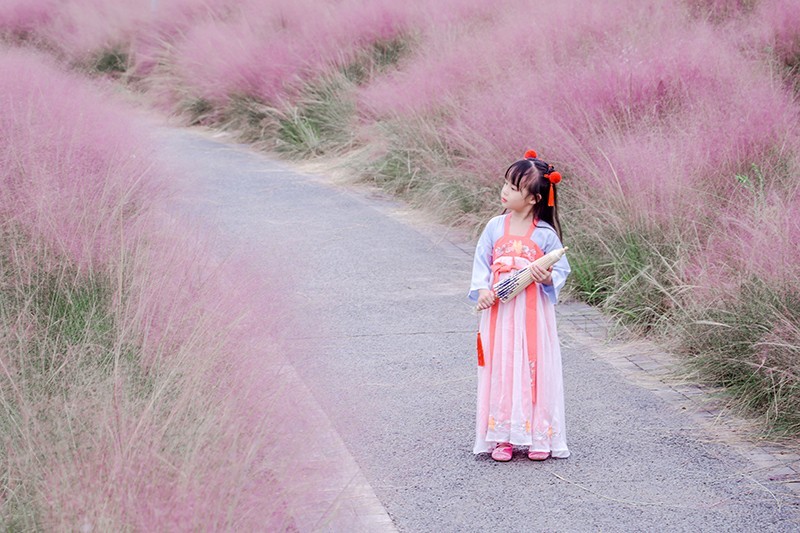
{"x": 718, "y": 11}
{"x": 265, "y": 56}
{"x": 267, "y": 48}
{"x": 454, "y": 60}
{"x": 655, "y": 118}
{"x": 149, "y": 403}
{"x": 72, "y": 174}
{"x": 264, "y": 49}
{"x": 19, "y": 18}
{"x": 775, "y": 27}
{"x": 75, "y": 30}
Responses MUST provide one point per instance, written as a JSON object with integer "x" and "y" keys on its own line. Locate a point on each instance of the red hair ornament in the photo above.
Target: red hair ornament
{"x": 554, "y": 178}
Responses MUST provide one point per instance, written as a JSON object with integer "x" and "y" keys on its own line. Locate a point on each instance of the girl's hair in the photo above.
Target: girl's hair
{"x": 529, "y": 174}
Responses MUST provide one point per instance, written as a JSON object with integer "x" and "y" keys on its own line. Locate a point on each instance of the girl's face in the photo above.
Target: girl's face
{"x": 515, "y": 199}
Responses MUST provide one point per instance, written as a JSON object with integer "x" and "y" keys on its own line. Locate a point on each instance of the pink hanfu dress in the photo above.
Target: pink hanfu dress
{"x": 520, "y": 385}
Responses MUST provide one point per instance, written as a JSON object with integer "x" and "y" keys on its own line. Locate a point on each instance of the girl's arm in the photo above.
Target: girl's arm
{"x": 560, "y": 270}
{"x": 481, "y": 264}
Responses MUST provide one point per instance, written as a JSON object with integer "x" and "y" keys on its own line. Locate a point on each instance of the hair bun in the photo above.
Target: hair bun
{"x": 554, "y": 177}
{"x": 530, "y": 154}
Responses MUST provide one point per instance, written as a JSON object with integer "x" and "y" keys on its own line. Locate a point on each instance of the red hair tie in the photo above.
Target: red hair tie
{"x": 530, "y": 154}
{"x": 554, "y": 178}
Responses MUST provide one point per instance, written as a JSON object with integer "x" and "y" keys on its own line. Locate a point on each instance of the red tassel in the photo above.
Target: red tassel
{"x": 551, "y": 200}
{"x": 480, "y": 350}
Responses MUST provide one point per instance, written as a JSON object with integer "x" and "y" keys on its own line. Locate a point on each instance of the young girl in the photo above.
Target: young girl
{"x": 520, "y": 384}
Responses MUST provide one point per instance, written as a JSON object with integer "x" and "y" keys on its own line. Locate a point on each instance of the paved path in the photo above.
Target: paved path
{"x": 383, "y": 338}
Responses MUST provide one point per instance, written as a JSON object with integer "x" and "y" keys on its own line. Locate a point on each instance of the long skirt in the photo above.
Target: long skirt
{"x": 506, "y": 411}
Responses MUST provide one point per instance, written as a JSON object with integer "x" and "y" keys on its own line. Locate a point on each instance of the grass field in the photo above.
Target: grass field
{"x": 674, "y": 125}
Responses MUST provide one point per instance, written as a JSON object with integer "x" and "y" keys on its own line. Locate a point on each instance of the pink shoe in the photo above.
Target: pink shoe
{"x": 503, "y": 452}
{"x": 538, "y": 456}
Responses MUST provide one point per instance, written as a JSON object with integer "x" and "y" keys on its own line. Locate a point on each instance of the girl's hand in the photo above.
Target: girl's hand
{"x": 486, "y": 298}
{"x": 541, "y": 275}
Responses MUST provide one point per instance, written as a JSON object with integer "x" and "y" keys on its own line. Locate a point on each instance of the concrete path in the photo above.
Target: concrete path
{"x": 383, "y": 338}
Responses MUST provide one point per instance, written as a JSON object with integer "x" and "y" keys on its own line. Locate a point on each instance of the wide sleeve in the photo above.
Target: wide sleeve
{"x": 481, "y": 264}
{"x": 560, "y": 270}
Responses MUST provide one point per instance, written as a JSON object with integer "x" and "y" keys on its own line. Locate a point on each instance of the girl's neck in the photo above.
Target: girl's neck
{"x": 522, "y": 216}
